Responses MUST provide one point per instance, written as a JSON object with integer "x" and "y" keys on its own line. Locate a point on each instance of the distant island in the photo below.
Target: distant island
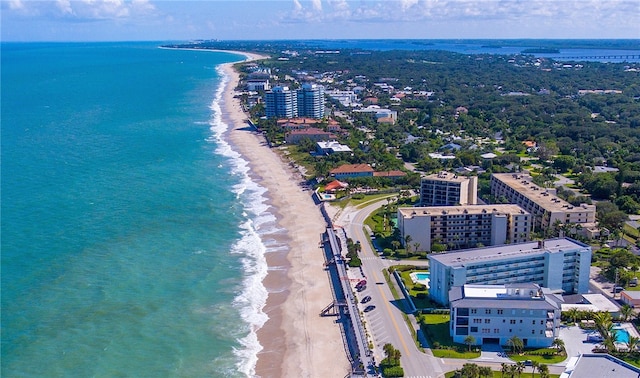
{"x": 540, "y": 50}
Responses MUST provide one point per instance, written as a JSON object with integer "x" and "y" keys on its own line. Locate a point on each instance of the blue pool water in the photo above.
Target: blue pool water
{"x": 622, "y": 335}
{"x": 422, "y": 276}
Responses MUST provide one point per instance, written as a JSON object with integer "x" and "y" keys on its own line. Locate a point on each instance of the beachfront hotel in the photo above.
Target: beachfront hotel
{"x": 493, "y": 314}
{"x": 464, "y": 226}
{"x": 546, "y": 208}
{"x": 562, "y": 265}
{"x": 448, "y": 189}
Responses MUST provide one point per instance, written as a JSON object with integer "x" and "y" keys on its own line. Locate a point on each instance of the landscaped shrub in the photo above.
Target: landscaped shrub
{"x": 419, "y": 287}
{"x": 393, "y": 371}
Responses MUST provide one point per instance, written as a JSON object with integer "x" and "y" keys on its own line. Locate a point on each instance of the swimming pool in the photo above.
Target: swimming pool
{"x": 421, "y": 277}
{"x": 622, "y": 335}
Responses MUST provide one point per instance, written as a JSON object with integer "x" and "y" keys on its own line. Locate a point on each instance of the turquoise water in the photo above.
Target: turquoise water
{"x": 422, "y": 276}
{"x": 131, "y": 233}
{"x": 622, "y": 335}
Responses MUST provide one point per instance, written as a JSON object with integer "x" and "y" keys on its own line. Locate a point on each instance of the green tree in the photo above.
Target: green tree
{"x": 534, "y": 366}
{"x": 633, "y": 343}
{"x": 626, "y": 312}
{"x": 544, "y": 371}
{"x": 515, "y": 343}
{"x": 469, "y": 340}
{"x": 470, "y": 370}
{"x": 519, "y": 368}
{"x": 485, "y": 372}
{"x": 558, "y": 344}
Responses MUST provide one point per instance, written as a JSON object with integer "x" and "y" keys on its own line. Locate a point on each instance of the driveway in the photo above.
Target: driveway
{"x": 575, "y": 341}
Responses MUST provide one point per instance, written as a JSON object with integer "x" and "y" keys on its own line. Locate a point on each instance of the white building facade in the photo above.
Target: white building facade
{"x": 281, "y": 102}
{"x": 311, "y": 101}
{"x": 545, "y": 206}
{"x": 460, "y": 227}
{"x": 493, "y": 314}
{"x": 562, "y": 265}
{"x": 448, "y": 189}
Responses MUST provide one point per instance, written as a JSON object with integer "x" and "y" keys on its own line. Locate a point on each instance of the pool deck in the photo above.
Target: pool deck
{"x": 425, "y": 282}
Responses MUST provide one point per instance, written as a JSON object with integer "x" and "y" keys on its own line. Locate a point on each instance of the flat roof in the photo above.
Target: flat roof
{"x": 446, "y": 176}
{"x": 632, "y": 294}
{"x": 601, "y": 302}
{"x": 602, "y": 366}
{"x": 503, "y": 296}
{"x": 408, "y": 212}
{"x": 507, "y": 251}
{"x": 523, "y": 184}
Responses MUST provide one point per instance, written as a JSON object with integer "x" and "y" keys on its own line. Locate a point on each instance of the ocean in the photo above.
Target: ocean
{"x": 131, "y": 230}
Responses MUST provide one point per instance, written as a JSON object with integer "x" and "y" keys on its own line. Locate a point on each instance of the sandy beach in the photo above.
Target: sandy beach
{"x": 296, "y": 341}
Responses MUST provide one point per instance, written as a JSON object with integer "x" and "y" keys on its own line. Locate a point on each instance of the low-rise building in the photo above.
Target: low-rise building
{"x": 631, "y": 298}
{"x": 561, "y": 265}
{"x": 312, "y": 133}
{"x": 331, "y": 147}
{"x": 493, "y": 314}
{"x": 352, "y": 170}
{"x": 448, "y": 189}
{"x": 464, "y": 226}
{"x": 599, "y": 365}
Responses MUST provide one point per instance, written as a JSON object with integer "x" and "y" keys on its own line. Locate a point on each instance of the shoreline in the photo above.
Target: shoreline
{"x": 295, "y": 340}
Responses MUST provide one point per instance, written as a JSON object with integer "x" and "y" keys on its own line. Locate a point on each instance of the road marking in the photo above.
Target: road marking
{"x": 395, "y": 325}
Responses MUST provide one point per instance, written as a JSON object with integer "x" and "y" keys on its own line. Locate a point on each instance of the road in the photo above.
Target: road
{"x": 386, "y": 323}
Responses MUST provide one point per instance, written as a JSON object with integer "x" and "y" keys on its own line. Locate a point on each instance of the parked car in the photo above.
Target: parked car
{"x": 366, "y": 299}
{"x": 369, "y": 308}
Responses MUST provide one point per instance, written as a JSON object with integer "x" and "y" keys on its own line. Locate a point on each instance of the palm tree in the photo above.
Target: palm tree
{"x": 572, "y": 314}
{"x": 395, "y": 244}
{"x": 485, "y": 371}
{"x": 469, "y": 340}
{"x": 515, "y": 343}
{"x": 543, "y": 370}
{"x": 626, "y": 312}
{"x": 470, "y": 370}
{"x": 632, "y": 343}
{"x": 407, "y": 241}
{"x": 504, "y": 368}
{"x": 558, "y": 343}
{"x": 534, "y": 366}
{"x": 519, "y": 368}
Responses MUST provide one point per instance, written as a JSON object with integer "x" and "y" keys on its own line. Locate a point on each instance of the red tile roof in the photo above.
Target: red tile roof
{"x": 352, "y": 168}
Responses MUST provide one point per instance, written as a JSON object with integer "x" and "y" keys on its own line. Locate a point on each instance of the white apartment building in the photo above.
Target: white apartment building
{"x": 493, "y": 314}
{"x": 311, "y": 101}
{"x": 460, "y": 227}
{"x": 281, "y": 102}
{"x": 542, "y": 203}
{"x": 562, "y": 265}
{"x": 448, "y": 189}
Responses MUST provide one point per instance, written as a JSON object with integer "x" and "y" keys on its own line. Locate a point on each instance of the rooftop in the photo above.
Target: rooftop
{"x": 521, "y": 296}
{"x": 505, "y": 252}
{"x": 523, "y": 184}
{"x": 446, "y": 176}
{"x": 601, "y": 366}
{"x": 350, "y": 168}
{"x": 408, "y": 212}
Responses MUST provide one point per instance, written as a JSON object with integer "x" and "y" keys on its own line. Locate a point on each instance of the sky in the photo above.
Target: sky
{"x": 161, "y": 20}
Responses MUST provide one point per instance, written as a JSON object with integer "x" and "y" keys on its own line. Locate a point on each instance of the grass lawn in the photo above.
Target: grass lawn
{"x": 631, "y": 231}
{"x": 420, "y": 303}
{"x": 633, "y": 360}
{"x": 534, "y": 355}
{"x": 436, "y": 328}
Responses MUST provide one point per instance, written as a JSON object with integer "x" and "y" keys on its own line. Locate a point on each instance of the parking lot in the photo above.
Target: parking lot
{"x": 575, "y": 341}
